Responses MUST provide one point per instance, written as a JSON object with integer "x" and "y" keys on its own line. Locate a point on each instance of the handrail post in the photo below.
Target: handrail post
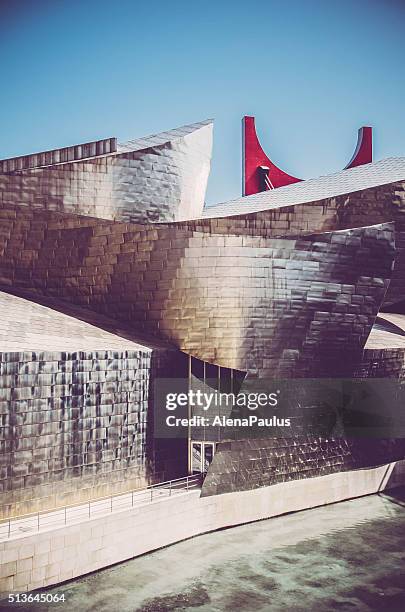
{"x": 175, "y": 485}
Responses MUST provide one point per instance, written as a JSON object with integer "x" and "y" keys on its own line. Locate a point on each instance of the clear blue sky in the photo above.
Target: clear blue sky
{"x": 311, "y": 72}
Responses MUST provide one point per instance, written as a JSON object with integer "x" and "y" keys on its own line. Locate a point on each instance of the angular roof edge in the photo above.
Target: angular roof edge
{"x": 154, "y": 140}
{"x": 375, "y": 174}
{"x": 95, "y": 148}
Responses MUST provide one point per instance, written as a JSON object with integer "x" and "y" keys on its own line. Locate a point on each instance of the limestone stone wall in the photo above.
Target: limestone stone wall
{"x": 34, "y": 561}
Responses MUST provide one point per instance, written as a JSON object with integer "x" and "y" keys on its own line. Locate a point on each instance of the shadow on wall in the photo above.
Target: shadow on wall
{"x": 397, "y": 477}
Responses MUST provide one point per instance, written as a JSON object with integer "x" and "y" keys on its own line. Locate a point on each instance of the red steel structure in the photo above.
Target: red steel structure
{"x": 260, "y": 173}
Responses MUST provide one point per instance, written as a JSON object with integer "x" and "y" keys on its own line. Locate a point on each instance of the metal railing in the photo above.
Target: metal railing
{"x": 78, "y": 512}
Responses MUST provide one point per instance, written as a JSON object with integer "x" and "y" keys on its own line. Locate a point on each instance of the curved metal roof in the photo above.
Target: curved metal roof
{"x": 155, "y": 140}
{"x": 378, "y": 173}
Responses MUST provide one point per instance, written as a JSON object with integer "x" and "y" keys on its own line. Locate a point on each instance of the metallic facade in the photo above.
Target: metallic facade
{"x": 59, "y": 156}
{"x": 220, "y": 291}
{"x": 75, "y": 407}
{"x": 286, "y": 283}
{"x": 162, "y": 178}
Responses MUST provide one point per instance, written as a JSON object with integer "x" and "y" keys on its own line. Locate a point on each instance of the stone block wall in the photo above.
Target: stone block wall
{"x": 38, "y": 560}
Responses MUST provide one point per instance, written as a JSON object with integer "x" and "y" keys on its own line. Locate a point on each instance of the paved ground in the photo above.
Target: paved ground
{"x": 348, "y": 557}
{"x": 80, "y": 513}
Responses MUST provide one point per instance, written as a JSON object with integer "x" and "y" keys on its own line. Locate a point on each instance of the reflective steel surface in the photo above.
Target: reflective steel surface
{"x": 286, "y": 283}
{"x": 165, "y": 180}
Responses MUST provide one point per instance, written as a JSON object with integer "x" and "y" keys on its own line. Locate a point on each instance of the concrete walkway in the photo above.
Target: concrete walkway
{"x": 347, "y": 556}
{"x": 93, "y": 509}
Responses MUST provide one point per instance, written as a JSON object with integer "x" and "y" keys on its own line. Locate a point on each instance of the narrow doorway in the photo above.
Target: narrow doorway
{"x": 202, "y": 454}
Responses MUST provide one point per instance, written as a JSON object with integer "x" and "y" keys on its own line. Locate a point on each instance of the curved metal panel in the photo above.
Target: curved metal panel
{"x": 281, "y": 306}
{"x": 163, "y": 182}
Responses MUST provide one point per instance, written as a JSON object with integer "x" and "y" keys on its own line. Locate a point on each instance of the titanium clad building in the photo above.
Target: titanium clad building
{"x": 113, "y": 274}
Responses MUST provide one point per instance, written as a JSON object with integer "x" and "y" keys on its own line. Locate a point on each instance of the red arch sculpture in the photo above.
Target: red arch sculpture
{"x": 259, "y": 173}
{"x": 363, "y": 153}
